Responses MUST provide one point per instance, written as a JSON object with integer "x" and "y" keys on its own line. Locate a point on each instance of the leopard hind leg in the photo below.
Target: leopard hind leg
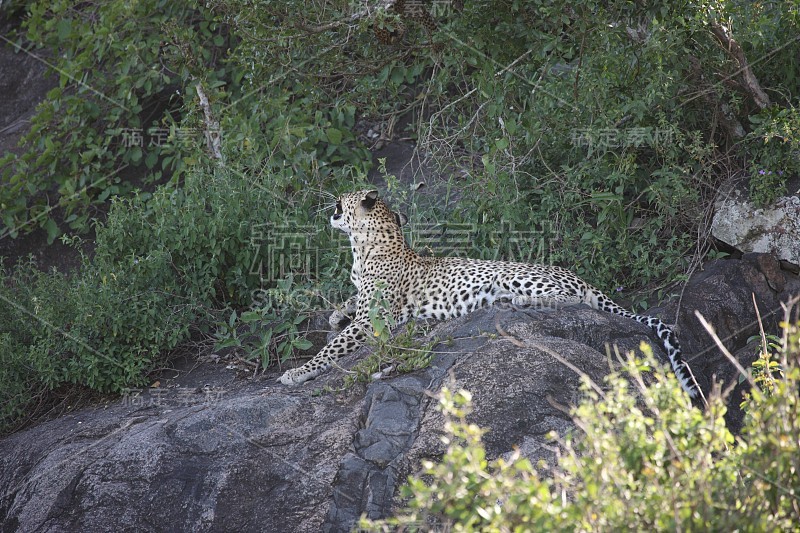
{"x": 541, "y": 292}
{"x": 340, "y": 318}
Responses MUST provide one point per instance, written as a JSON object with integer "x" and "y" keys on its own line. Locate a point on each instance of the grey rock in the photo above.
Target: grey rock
{"x": 773, "y": 229}
{"x": 257, "y": 456}
{"x": 238, "y": 463}
{"x": 724, "y": 294}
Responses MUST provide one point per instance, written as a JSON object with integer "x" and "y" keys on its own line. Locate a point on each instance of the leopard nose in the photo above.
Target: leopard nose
{"x": 336, "y": 216}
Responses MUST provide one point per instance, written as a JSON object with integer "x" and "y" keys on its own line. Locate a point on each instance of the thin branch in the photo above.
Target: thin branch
{"x": 760, "y": 325}
{"x": 733, "y": 49}
{"x": 710, "y": 329}
{"x": 355, "y": 17}
{"x": 213, "y": 137}
{"x": 733, "y": 128}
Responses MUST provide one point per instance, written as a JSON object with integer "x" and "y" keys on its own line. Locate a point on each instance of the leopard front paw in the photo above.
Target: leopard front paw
{"x": 338, "y": 319}
{"x": 294, "y": 376}
{"x": 301, "y": 374}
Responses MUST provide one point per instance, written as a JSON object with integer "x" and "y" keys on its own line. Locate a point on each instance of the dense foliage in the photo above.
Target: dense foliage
{"x": 200, "y": 142}
{"x": 643, "y": 460}
{"x": 162, "y": 264}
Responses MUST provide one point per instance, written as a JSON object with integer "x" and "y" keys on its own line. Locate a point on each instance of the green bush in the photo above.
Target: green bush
{"x": 102, "y": 329}
{"x": 584, "y": 124}
{"x": 180, "y": 257}
{"x": 640, "y": 460}
{"x": 123, "y": 69}
{"x": 774, "y": 146}
{"x": 163, "y": 263}
{"x": 127, "y": 97}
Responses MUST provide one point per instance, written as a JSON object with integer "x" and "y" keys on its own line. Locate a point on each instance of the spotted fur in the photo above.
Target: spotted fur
{"x": 446, "y": 287}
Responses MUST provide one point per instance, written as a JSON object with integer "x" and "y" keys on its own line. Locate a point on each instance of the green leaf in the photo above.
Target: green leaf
{"x": 398, "y": 76}
{"x": 104, "y": 195}
{"x": 250, "y": 316}
{"x": 151, "y": 159}
{"x": 266, "y": 339}
{"x": 302, "y": 344}
{"x": 511, "y": 126}
{"x": 334, "y": 135}
{"x": 64, "y": 28}
{"x": 227, "y": 343}
{"x": 52, "y": 230}
{"x": 265, "y": 358}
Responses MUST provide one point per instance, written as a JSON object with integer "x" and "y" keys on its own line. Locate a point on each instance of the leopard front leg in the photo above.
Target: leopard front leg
{"x": 348, "y": 341}
{"x": 341, "y": 317}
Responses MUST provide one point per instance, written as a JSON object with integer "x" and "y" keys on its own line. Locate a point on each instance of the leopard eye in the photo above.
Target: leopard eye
{"x": 339, "y": 208}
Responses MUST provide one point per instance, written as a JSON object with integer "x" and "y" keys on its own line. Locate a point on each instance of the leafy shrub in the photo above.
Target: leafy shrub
{"x": 132, "y": 101}
{"x": 774, "y": 147}
{"x": 576, "y": 121}
{"x": 268, "y": 331}
{"x": 104, "y": 329}
{"x": 182, "y": 256}
{"x": 572, "y": 119}
{"x": 401, "y": 354}
{"x": 640, "y": 460}
{"x": 122, "y": 69}
{"x": 164, "y": 263}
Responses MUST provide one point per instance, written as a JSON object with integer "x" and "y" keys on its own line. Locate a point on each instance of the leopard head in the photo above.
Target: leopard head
{"x": 362, "y": 214}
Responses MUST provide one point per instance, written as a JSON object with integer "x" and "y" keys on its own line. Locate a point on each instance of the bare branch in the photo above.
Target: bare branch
{"x": 733, "y": 49}
{"x": 213, "y": 138}
{"x": 724, "y": 350}
{"x": 727, "y": 119}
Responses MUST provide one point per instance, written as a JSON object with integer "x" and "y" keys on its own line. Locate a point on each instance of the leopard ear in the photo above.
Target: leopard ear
{"x": 401, "y": 219}
{"x": 369, "y": 199}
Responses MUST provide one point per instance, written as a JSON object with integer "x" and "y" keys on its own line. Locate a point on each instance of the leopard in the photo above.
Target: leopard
{"x": 441, "y": 288}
